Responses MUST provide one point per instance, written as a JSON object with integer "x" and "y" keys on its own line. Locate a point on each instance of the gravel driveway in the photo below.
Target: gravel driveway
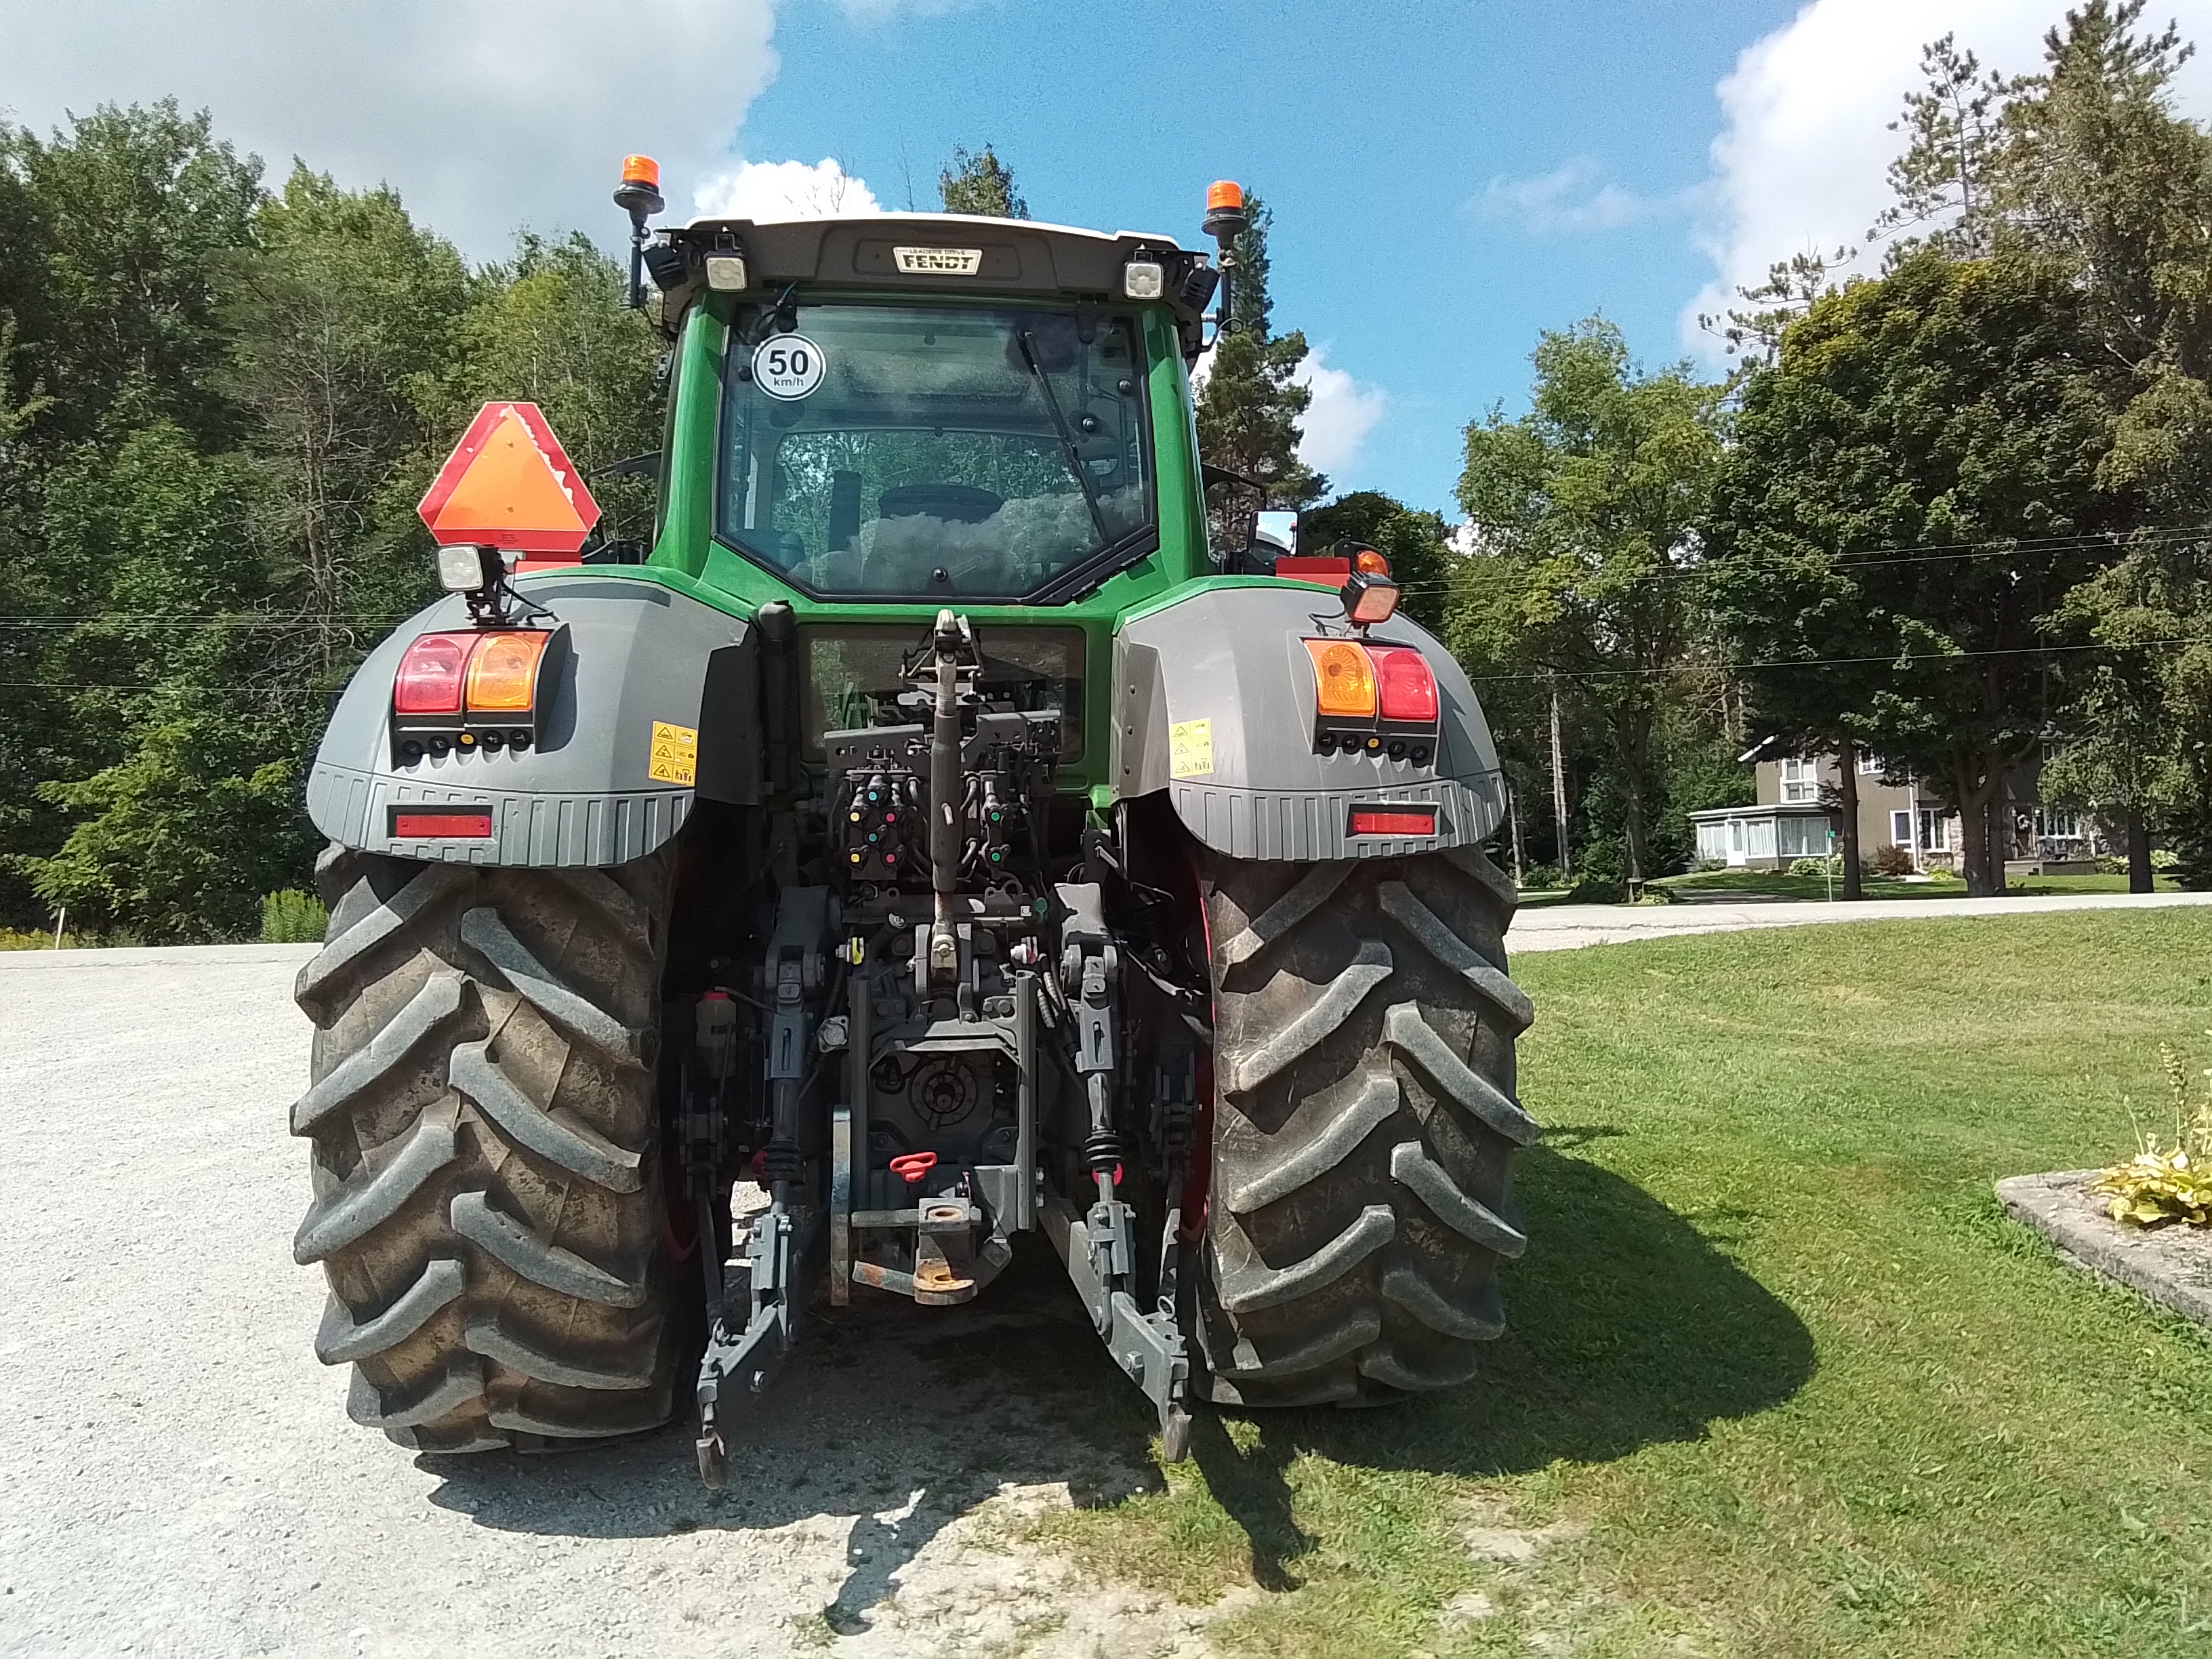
{"x": 182, "y": 1478}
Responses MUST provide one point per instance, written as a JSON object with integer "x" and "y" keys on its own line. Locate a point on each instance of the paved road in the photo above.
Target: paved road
{"x": 182, "y": 1478}
{"x": 1562, "y": 927}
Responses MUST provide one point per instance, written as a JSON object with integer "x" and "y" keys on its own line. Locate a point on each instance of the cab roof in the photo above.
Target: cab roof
{"x": 1016, "y": 256}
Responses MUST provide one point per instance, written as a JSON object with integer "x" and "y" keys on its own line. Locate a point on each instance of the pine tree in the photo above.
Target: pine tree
{"x": 1250, "y": 408}
{"x": 979, "y": 183}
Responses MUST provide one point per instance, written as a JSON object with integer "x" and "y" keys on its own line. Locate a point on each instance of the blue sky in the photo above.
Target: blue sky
{"x": 1375, "y": 141}
{"x": 1450, "y": 178}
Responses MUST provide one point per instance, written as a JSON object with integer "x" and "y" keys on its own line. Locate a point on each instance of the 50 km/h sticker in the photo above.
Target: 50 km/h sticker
{"x": 788, "y": 366}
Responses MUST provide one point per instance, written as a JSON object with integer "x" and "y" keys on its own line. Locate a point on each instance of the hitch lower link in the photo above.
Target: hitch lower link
{"x": 1098, "y": 1248}
{"x": 783, "y": 1251}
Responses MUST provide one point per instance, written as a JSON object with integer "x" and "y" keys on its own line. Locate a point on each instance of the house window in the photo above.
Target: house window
{"x": 1802, "y": 838}
{"x": 1900, "y": 829}
{"x": 1735, "y": 835}
{"x": 1801, "y": 782}
{"x": 1934, "y": 829}
{"x": 2057, "y": 823}
{"x": 1870, "y": 763}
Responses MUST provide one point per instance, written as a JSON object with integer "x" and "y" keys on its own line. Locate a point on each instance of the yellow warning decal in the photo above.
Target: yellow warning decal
{"x": 1190, "y": 749}
{"x": 675, "y": 754}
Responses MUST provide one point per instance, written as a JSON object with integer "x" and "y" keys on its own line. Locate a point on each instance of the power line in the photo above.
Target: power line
{"x": 1831, "y": 662}
{"x": 2045, "y": 547}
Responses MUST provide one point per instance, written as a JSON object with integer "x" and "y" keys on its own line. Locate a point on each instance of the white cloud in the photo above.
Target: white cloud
{"x": 1564, "y": 202}
{"x": 485, "y": 115}
{"x": 1343, "y": 412}
{"x": 784, "y": 190}
{"x": 1800, "y": 165}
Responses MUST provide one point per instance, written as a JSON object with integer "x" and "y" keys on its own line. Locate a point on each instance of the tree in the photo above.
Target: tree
{"x": 552, "y": 328}
{"x": 1946, "y": 177}
{"x": 1589, "y": 510}
{"x": 1249, "y": 407}
{"x": 1913, "y": 483}
{"x": 129, "y": 221}
{"x": 981, "y": 184}
{"x": 345, "y": 330}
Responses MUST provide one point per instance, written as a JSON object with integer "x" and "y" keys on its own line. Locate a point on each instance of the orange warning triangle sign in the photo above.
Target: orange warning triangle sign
{"x": 509, "y": 483}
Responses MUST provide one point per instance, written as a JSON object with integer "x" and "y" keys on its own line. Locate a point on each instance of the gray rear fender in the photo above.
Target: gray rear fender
{"x": 636, "y": 655}
{"x": 1250, "y": 783}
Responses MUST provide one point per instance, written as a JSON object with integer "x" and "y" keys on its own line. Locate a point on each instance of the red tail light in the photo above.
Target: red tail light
{"x": 429, "y": 677}
{"x": 1407, "y": 686}
{"x": 1394, "y": 821}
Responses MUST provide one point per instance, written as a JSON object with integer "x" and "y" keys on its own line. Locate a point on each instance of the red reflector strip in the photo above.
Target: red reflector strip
{"x": 1313, "y": 567}
{"x": 1397, "y": 820}
{"x": 442, "y": 825}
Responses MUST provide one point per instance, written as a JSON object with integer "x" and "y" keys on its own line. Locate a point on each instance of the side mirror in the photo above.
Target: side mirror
{"x": 1277, "y": 529}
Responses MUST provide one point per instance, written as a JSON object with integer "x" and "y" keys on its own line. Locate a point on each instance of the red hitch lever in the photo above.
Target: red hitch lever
{"x": 911, "y": 1166}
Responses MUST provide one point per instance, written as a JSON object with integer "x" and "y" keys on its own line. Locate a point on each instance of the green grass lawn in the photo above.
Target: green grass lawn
{"x": 1781, "y": 1379}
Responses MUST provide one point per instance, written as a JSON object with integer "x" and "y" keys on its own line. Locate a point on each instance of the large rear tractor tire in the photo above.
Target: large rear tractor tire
{"x": 1364, "y": 1120}
{"x": 489, "y": 1196}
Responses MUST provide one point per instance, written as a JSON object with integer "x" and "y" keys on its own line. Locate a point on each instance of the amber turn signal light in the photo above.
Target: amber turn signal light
{"x": 1344, "y": 680}
{"x": 503, "y": 672}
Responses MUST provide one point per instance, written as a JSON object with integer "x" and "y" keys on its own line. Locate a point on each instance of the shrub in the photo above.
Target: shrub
{"x": 292, "y": 917}
{"x": 1538, "y": 877}
{"x": 1892, "y": 861}
{"x": 2160, "y": 1184}
{"x": 1830, "y": 866}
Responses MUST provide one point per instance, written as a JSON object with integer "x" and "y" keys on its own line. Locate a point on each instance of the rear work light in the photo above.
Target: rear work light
{"x": 1370, "y": 598}
{"x": 1393, "y": 820}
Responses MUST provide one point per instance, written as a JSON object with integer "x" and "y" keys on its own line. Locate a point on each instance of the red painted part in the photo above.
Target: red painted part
{"x": 551, "y": 561}
{"x": 1413, "y": 821}
{"x": 911, "y": 1167}
{"x": 443, "y": 826}
{"x": 1321, "y": 571}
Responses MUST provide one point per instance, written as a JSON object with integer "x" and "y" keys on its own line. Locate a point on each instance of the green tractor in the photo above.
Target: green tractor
{"x": 929, "y": 840}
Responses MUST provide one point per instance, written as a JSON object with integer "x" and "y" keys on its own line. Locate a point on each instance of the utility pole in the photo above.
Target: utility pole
{"x": 1559, "y": 789}
{"x": 1513, "y": 817}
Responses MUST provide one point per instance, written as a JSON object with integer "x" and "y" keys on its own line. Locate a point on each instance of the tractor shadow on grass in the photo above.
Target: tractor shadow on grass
{"x": 891, "y": 1421}
{"x": 1629, "y": 1325}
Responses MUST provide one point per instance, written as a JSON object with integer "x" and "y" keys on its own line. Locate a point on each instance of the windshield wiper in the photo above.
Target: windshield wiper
{"x": 1066, "y": 438}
